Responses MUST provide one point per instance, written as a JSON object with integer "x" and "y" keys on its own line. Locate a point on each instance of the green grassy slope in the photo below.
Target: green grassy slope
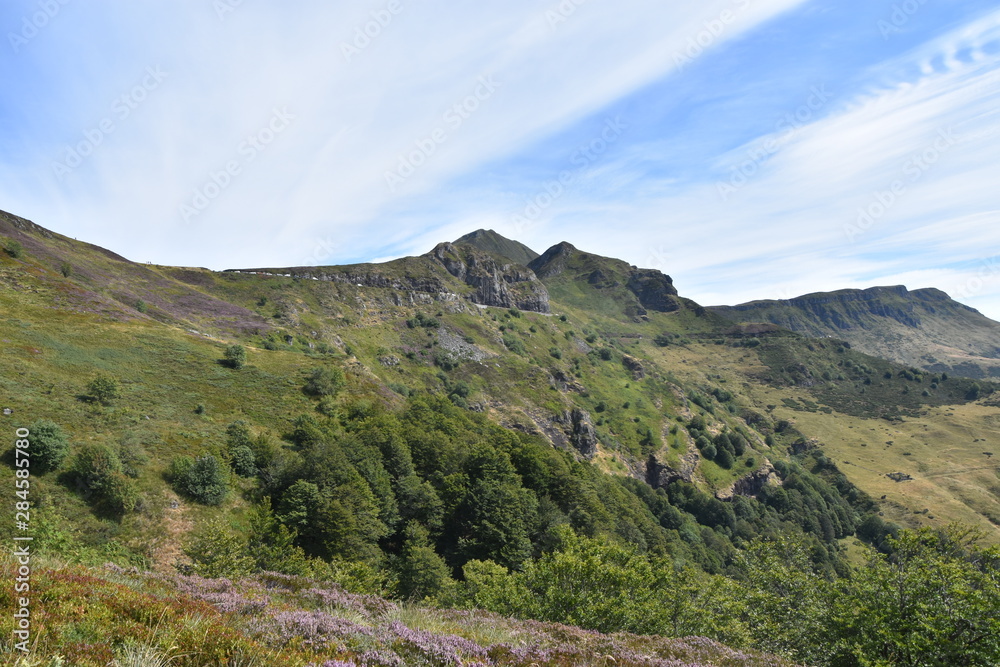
{"x": 923, "y": 328}
{"x": 492, "y": 242}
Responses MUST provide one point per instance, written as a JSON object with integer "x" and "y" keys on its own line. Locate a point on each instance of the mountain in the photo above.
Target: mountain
{"x": 568, "y": 440}
{"x": 491, "y": 242}
{"x": 924, "y": 328}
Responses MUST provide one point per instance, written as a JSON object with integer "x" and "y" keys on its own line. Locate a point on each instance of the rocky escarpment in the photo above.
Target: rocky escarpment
{"x": 496, "y": 281}
{"x": 752, "y": 484}
{"x": 645, "y": 289}
{"x": 655, "y": 290}
{"x": 924, "y": 328}
{"x": 581, "y": 431}
{"x": 846, "y": 309}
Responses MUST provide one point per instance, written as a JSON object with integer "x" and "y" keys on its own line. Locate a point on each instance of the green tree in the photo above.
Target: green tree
{"x": 724, "y": 458}
{"x": 220, "y": 551}
{"x": 104, "y": 389}
{"x": 934, "y": 601}
{"x": 14, "y": 248}
{"x": 422, "y": 572}
{"x": 48, "y": 446}
{"x": 325, "y": 382}
{"x": 235, "y": 356}
{"x": 66, "y": 269}
{"x": 202, "y": 479}
{"x": 99, "y": 474}
{"x": 784, "y": 602}
{"x": 242, "y": 461}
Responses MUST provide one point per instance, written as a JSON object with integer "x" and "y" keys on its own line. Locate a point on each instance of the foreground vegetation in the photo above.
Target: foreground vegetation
{"x": 610, "y": 467}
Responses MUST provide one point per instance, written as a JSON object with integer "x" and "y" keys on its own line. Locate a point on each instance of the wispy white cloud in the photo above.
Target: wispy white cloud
{"x": 520, "y": 75}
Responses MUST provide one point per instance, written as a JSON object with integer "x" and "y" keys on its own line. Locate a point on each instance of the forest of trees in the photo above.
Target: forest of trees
{"x": 437, "y": 504}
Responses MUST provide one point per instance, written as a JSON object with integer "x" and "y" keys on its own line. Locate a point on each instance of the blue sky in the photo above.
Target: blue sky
{"x": 749, "y": 148}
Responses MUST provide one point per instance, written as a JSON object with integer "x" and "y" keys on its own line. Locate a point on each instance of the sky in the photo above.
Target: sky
{"x": 751, "y": 149}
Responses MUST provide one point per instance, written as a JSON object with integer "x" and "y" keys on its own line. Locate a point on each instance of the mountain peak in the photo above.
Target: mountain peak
{"x": 491, "y": 242}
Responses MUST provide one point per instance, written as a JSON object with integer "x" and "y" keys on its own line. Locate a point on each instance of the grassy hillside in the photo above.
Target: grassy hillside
{"x": 923, "y": 328}
{"x": 492, "y": 242}
{"x": 390, "y": 429}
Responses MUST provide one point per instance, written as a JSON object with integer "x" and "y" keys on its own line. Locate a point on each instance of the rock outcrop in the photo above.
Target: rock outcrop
{"x": 655, "y": 290}
{"x": 497, "y": 281}
{"x": 752, "y": 484}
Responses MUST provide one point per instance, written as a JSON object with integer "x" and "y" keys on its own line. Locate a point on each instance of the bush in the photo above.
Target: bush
{"x": 202, "y": 479}
{"x": 555, "y": 352}
{"x": 724, "y": 458}
{"x": 14, "y": 248}
{"x": 325, "y": 382}
{"x": 605, "y": 353}
{"x": 66, "y": 269}
{"x": 243, "y": 462}
{"x": 104, "y": 389}
{"x": 100, "y": 475}
{"x": 235, "y": 356}
{"x": 238, "y": 434}
{"x": 93, "y": 466}
{"x": 514, "y": 344}
{"x": 120, "y": 494}
{"x": 48, "y": 446}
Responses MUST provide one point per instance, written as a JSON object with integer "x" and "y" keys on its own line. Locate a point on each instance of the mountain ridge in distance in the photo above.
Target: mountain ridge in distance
{"x": 924, "y": 328}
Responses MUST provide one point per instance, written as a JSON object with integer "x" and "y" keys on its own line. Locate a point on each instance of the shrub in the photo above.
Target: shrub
{"x": 14, "y": 248}
{"x": 93, "y": 466}
{"x": 325, "y": 382}
{"x": 605, "y": 353}
{"x": 100, "y": 475}
{"x": 243, "y": 461}
{"x": 48, "y": 446}
{"x": 555, "y": 352}
{"x": 514, "y": 344}
{"x": 710, "y": 452}
{"x": 238, "y": 434}
{"x": 104, "y": 389}
{"x": 724, "y": 458}
{"x": 235, "y": 356}
{"x": 445, "y": 360}
{"x": 66, "y": 269}
{"x": 120, "y": 494}
{"x": 202, "y": 479}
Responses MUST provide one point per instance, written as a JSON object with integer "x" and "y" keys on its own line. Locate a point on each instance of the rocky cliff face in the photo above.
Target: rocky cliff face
{"x": 499, "y": 283}
{"x": 923, "y": 328}
{"x": 655, "y": 290}
{"x": 581, "y": 431}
